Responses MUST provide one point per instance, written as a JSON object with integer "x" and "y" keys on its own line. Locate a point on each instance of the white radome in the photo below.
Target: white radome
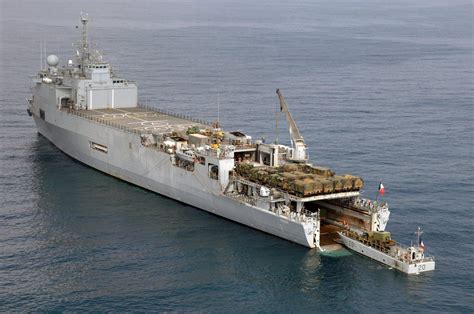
{"x": 52, "y": 60}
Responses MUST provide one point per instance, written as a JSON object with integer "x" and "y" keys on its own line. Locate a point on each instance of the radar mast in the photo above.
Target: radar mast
{"x": 85, "y": 41}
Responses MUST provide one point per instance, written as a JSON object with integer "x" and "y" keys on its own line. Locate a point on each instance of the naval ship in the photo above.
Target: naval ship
{"x": 93, "y": 115}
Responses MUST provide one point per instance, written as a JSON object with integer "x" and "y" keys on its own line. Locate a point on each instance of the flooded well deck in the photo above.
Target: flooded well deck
{"x": 328, "y": 235}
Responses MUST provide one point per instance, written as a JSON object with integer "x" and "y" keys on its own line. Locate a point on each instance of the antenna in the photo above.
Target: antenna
{"x": 419, "y": 233}
{"x": 277, "y": 118}
{"x": 85, "y": 42}
{"x": 41, "y": 54}
{"x": 218, "y": 111}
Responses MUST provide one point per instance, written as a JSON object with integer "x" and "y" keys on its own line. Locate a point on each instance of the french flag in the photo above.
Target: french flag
{"x": 381, "y": 189}
{"x": 421, "y": 244}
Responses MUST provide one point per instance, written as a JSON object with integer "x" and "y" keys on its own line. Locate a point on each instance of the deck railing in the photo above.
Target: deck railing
{"x": 364, "y": 204}
{"x": 304, "y": 216}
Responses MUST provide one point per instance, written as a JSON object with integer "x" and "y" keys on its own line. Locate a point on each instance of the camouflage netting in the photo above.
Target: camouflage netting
{"x": 301, "y": 180}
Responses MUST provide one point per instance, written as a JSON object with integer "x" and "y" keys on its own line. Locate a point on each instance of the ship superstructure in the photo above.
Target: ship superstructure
{"x": 94, "y": 116}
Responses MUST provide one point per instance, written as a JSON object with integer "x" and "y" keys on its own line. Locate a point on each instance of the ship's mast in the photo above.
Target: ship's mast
{"x": 419, "y": 233}
{"x": 277, "y": 118}
{"x": 85, "y": 41}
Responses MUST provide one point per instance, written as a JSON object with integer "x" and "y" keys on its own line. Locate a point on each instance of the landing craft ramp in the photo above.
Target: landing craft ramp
{"x": 141, "y": 119}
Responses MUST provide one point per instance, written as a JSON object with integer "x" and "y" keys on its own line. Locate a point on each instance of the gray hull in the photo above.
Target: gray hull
{"x": 128, "y": 160}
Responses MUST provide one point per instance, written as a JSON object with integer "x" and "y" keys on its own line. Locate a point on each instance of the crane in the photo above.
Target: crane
{"x": 298, "y": 153}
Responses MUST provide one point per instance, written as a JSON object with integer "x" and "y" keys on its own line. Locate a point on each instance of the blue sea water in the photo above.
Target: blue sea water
{"x": 381, "y": 89}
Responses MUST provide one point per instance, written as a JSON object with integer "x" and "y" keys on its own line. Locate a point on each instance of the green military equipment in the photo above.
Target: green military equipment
{"x": 302, "y": 175}
{"x": 328, "y": 185}
{"x": 300, "y": 179}
{"x": 338, "y": 183}
{"x": 289, "y": 168}
{"x": 382, "y": 236}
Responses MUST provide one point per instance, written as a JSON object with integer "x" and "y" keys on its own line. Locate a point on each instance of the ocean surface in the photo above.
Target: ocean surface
{"x": 380, "y": 89}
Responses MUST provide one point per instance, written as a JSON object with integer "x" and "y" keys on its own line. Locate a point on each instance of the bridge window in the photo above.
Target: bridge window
{"x": 42, "y": 114}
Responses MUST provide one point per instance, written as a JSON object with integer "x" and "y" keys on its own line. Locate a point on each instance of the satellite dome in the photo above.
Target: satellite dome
{"x": 52, "y": 60}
